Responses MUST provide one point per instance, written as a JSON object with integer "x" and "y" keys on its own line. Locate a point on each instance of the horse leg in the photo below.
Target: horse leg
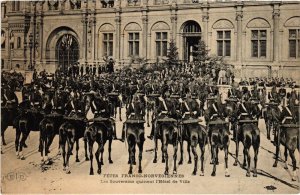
{"x": 202, "y": 149}
{"x": 256, "y": 149}
{"x": 217, "y": 156}
{"x": 2, "y": 136}
{"x": 291, "y": 152}
{"x": 214, "y": 154}
{"x": 155, "y": 150}
{"x": 23, "y": 139}
{"x": 109, "y": 151}
{"x": 85, "y": 150}
{"x": 175, "y": 146}
{"x": 131, "y": 146}
{"x": 285, "y": 158}
{"x": 236, "y": 152}
{"x": 70, "y": 141}
{"x": 141, "y": 144}
{"x": 248, "y": 161}
{"x": 163, "y": 159}
{"x": 277, "y": 150}
{"x": 194, "y": 145}
{"x": 147, "y": 115}
{"x": 77, "y": 148}
{"x": 62, "y": 144}
{"x": 91, "y": 143}
{"x": 181, "y": 152}
{"x": 227, "y": 174}
{"x": 120, "y": 112}
{"x": 189, "y": 152}
{"x": 99, "y": 151}
{"x": 17, "y": 141}
{"x": 268, "y": 129}
{"x": 165, "y": 153}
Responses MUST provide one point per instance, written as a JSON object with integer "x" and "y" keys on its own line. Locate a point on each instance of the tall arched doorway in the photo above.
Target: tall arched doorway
{"x": 67, "y": 51}
{"x": 191, "y": 34}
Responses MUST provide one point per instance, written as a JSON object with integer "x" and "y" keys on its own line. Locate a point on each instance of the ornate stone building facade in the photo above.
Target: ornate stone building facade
{"x": 260, "y": 38}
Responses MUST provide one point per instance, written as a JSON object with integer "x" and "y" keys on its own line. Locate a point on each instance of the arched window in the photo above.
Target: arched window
{"x": 192, "y": 27}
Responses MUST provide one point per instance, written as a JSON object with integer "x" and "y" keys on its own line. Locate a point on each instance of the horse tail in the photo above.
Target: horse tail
{"x": 247, "y": 140}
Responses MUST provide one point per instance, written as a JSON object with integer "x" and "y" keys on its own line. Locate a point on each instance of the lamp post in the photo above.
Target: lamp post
{"x": 30, "y": 46}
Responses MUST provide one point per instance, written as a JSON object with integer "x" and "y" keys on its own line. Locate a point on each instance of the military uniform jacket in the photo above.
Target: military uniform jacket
{"x": 135, "y": 111}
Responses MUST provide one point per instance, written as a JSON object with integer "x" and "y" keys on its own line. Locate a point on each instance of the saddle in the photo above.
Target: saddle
{"x": 218, "y": 122}
{"x": 166, "y": 119}
{"x": 290, "y": 125}
{"x": 153, "y": 95}
{"x": 247, "y": 121}
{"x": 134, "y": 121}
{"x": 191, "y": 121}
{"x": 98, "y": 119}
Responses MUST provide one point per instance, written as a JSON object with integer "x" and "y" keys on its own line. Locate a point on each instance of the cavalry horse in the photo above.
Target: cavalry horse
{"x": 72, "y": 130}
{"x": 168, "y": 133}
{"x": 98, "y": 132}
{"x": 288, "y": 135}
{"x": 195, "y": 134}
{"x": 248, "y": 133}
{"x": 9, "y": 105}
{"x": 49, "y": 126}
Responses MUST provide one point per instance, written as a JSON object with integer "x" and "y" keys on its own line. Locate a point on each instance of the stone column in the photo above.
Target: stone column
{"x": 95, "y": 39}
{"x": 84, "y": 39}
{"x": 205, "y": 19}
{"x": 118, "y": 38}
{"x": 145, "y": 29}
{"x": 276, "y": 14}
{"x": 174, "y": 20}
{"x": 239, "y": 18}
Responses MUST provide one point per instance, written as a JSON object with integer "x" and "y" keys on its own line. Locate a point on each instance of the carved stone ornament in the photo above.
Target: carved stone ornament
{"x": 223, "y": 24}
{"x": 160, "y": 26}
{"x": 293, "y": 22}
{"x": 258, "y": 23}
{"x": 53, "y": 2}
{"x": 107, "y": 28}
{"x": 133, "y": 27}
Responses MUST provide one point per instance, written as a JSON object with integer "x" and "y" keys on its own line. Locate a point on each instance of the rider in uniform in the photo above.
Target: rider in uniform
{"x": 100, "y": 108}
{"x": 135, "y": 112}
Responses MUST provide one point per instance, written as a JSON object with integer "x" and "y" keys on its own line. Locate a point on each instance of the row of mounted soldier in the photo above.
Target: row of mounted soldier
{"x": 172, "y": 104}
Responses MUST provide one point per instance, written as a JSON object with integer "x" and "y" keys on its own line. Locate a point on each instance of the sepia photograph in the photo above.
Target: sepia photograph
{"x": 150, "y": 97}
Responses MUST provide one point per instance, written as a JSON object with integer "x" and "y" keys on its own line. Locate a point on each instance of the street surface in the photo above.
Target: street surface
{"x": 28, "y": 176}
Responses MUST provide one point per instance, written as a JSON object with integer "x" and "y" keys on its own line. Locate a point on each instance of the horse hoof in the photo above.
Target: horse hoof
{"x": 293, "y": 178}
{"x": 24, "y": 145}
{"x": 174, "y": 172}
{"x": 227, "y": 175}
{"x": 64, "y": 169}
{"x": 99, "y": 171}
{"x": 254, "y": 174}
{"x": 58, "y": 153}
{"x": 22, "y": 158}
{"x": 211, "y": 162}
{"x": 111, "y": 162}
{"x": 180, "y": 162}
{"x": 129, "y": 172}
{"x": 102, "y": 163}
{"x": 247, "y": 174}
{"x": 286, "y": 167}
{"x": 4, "y": 143}
{"x": 91, "y": 172}
{"x": 194, "y": 173}
{"x": 217, "y": 163}
{"x": 154, "y": 161}
{"x": 77, "y": 160}
{"x": 202, "y": 174}
{"x": 134, "y": 163}
{"x": 163, "y": 161}
{"x": 189, "y": 162}
{"x": 213, "y": 174}
{"x": 68, "y": 172}
{"x": 275, "y": 165}
{"x": 87, "y": 159}
{"x": 166, "y": 172}
{"x": 140, "y": 171}
{"x": 128, "y": 162}
{"x": 235, "y": 164}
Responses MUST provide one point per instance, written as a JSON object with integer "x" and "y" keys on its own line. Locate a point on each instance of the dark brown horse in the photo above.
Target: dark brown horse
{"x": 135, "y": 135}
{"x": 98, "y": 132}
{"x": 219, "y": 139}
{"x": 9, "y": 105}
{"x": 249, "y": 134}
{"x": 288, "y": 136}
{"x": 195, "y": 134}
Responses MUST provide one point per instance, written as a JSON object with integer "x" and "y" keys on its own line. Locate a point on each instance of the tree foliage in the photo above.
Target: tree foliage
{"x": 172, "y": 56}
